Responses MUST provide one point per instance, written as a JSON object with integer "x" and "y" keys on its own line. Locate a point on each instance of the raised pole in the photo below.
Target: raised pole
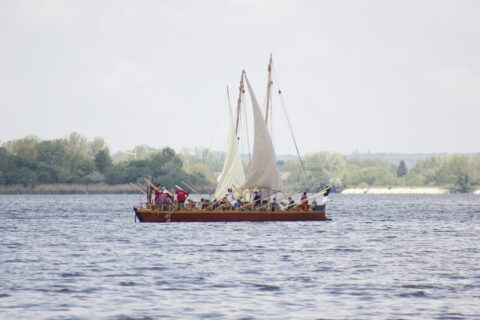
{"x": 241, "y": 91}
{"x": 138, "y": 188}
{"x": 149, "y": 193}
{"x": 190, "y": 187}
{"x": 269, "y": 89}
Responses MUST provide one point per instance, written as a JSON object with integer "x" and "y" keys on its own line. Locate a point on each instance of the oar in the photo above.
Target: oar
{"x": 281, "y": 198}
{"x": 213, "y": 203}
{"x": 267, "y": 196}
{"x": 179, "y": 188}
{"x": 312, "y": 196}
{"x": 154, "y": 187}
{"x": 189, "y": 186}
{"x": 244, "y": 193}
{"x": 218, "y": 200}
{"x": 138, "y": 188}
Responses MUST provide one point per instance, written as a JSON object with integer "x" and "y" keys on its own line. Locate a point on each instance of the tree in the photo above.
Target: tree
{"x": 102, "y": 160}
{"x": 402, "y": 169}
{"x": 24, "y": 151}
{"x": 321, "y": 168}
{"x": 461, "y": 171}
{"x": 4, "y": 165}
{"x": 372, "y": 176}
{"x": 97, "y": 144}
{"x": 95, "y": 177}
{"x": 52, "y": 165}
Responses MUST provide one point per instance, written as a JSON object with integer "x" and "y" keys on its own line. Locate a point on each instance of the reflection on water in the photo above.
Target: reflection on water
{"x": 382, "y": 256}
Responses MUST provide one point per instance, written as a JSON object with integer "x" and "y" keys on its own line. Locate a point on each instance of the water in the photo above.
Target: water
{"x": 381, "y": 257}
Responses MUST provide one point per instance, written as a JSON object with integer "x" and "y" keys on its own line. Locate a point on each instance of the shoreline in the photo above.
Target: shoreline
{"x": 399, "y": 190}
{"x": 64, "y": 188}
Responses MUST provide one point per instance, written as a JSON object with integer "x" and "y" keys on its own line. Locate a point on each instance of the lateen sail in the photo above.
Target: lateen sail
{"x": 232, "y": 173}
{"x": 263, "y": 172}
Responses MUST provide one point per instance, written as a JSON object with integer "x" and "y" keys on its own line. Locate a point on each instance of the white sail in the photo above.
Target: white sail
{"x": 263, "y": 172}
{"x": 232, "y": 175}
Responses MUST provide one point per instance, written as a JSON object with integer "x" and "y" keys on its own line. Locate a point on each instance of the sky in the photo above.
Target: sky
{"x": 378, "y": 76}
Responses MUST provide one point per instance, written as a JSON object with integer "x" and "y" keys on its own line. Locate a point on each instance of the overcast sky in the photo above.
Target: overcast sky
{"x": 384, "y": 76}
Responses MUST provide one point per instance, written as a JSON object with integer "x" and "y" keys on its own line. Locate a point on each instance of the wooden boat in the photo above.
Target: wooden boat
{"x": 150, "y": 215}
{"x": 263, "y": 175}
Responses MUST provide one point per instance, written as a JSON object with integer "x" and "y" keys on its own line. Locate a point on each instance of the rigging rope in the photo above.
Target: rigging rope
{"x": 288, "y": 121}
{"x": 218, "y": 124}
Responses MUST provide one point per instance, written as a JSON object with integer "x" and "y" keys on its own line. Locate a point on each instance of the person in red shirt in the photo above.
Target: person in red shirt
{"x": 304, "y": 202}
{"x": 157, "y": 194}
{"x": 181, "y": 197}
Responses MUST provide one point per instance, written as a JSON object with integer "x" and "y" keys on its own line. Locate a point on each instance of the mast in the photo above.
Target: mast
{"x": 269, "y": 89}
{"x": 241, "y": 90}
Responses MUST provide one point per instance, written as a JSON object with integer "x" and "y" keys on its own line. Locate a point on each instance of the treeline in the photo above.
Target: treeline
{"x": 30, "y": 162}
{"x": 457, "y": 171}
{"x": 76, "y": 160}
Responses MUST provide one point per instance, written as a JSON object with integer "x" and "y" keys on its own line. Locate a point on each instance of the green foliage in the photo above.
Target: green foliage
{"x": 213, "y": 160}
{"x": 458, "y": 171}
{"x": 95, "y": 177}
{"x": 455, "y": 170}
{"x": 321, "y": 168}
{"x": 102, "y": 160}
{"x": 370, "y": 172}
{"x": 461, "y": 172}
{"x": 402, "y": 169}
{"x": 30, "y": 161}
{"x": 75, "y": 159}
{"x": 372, "y": 176}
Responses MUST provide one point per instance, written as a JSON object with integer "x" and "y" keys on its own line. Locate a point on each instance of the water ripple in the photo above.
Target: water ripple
{"x": 380, "y": 257}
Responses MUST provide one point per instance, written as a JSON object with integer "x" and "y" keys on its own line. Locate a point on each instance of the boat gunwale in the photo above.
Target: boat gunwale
{"x": 149, "y": 215}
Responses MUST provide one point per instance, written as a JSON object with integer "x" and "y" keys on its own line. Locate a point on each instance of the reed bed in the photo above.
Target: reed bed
{"x": 63, "y": 188}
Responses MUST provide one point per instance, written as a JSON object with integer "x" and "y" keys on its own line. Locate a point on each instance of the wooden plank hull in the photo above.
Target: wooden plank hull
{"x": 149, "y": 215}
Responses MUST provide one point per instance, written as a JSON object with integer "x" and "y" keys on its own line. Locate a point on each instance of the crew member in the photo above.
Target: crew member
{"x": 157, "y": 194}
{"x": 274, "y": 204}
{"x": 304, "y": 202}
{"x": 231, "y": 198}
{"x": 181, "y": 197}
{"x": 325, "y": 196}
{"x": 291, "y": 204}
{"x": 164, "y": 199}
{"x": 256, "y": 200}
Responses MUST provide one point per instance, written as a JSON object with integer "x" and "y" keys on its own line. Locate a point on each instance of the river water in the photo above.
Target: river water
{"x": 380, "y": 257}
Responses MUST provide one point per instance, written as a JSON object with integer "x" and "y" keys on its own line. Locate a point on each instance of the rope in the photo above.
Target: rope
{"x": 218, "y": 124}
{"x": 289, "y": 123}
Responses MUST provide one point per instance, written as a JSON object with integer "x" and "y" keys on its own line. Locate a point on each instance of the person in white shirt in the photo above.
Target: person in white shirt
{"x": 231, "y": 198}
{"x": 325, "y": 196}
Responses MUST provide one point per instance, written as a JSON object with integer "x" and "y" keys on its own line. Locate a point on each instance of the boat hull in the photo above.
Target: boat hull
{"x": 149, "y": 215}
